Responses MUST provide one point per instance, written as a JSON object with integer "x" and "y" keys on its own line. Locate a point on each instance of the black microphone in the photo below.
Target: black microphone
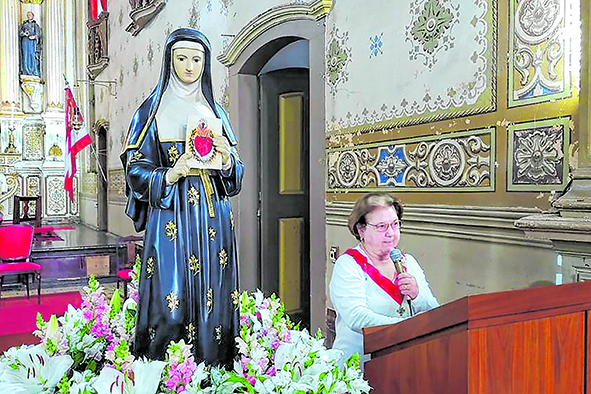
{"x": 397, "y": 259}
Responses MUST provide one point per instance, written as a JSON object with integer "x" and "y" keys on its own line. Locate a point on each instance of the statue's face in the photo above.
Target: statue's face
{"x": 188, "y": 64}
{"x": 30, "y": 15}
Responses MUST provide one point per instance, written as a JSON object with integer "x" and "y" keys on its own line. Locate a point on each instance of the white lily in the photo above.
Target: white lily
{"x": 147, "y": 376}
{"x": 82, "y": 382}
{"x": 34, "y": 372}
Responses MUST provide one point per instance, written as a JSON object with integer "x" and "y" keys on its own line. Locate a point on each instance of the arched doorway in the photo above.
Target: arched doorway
{"x": 248, "y": 92}
{"x": 101, "y": 128}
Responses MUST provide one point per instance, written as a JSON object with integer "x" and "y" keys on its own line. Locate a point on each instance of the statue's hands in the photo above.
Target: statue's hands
{"x": 181, "y": 169}
{"x": 222, "y": 145}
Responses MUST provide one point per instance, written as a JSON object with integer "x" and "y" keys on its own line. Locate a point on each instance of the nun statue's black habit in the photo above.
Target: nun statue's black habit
{"x": 189, "y": 275}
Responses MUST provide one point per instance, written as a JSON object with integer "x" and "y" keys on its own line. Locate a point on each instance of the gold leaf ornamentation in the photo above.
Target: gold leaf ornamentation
{"x": 191, "y": 333}
{"x": 223, "y": 258}
{"x": 217, "y": 334}
{"x": 235, "y": 298}
{"x": 212, "y": 234}
{"x": 193, "y": 263}
{"x": 193, "y": 195}
{"x": 173, "y": 302}
{"x": 150, "y": 267}
{"x": 209, "y": 302}
{"x": 173, "y": 154}
{"x": 170, "y": 230}
{"x": 136, "y": 156}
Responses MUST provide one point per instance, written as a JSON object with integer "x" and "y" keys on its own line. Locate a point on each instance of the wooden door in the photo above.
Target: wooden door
{"x": 284, "y": 189}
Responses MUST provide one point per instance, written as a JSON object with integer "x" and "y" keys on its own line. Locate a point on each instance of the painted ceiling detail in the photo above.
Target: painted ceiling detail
{"x": 462, "y": 161}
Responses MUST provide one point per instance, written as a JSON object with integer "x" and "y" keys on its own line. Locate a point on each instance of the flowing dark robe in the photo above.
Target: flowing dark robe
{"x": 189, "y": 275}
{"x": 30, "y": 48}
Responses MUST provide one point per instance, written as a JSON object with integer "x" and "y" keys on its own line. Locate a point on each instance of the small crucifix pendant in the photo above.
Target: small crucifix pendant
{"x": 401, "y": 310}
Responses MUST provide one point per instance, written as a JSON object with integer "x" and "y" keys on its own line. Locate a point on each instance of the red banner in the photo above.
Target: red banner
{"x": 97, "y": 7}
{"x": 77, "y": 138}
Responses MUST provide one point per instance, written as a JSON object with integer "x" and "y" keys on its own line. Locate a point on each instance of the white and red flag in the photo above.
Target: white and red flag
{"x": 97, "y": 7}
{"x": 77, "y": 138}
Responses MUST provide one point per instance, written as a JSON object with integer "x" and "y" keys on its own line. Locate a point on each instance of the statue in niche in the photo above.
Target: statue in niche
{"x": 30, "y": 34}
{"x": 189, "y": 275}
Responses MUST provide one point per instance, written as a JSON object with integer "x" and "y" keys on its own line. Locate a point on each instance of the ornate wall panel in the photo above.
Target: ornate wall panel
{"x": 33, "y": 185}
{"x": 458, "y": 161}
{"x": 33, "y": 142}
{"x": 540, "y": 46}
{"x": 89, "y": 185}
{"x": 116, "y": 190}
{"x": 437, "y": 60}
{"x": 538, "y": 155}
{"x": 55, "y": 200}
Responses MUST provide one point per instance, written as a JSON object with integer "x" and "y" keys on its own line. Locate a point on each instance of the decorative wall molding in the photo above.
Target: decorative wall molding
{"x": 98, "y": 45}
{"x": 33, "y": 142}
{"x": 485, "y": 224}
{"x": 540, "y": 50}
{"x": 116, "y": 191}
{"x": 142, "y": 12}
{"x": 454, "y": 161}
{"x": 538, "y": 155}
{"x": 314, "y": 10}
{"x": 450, "y": 70}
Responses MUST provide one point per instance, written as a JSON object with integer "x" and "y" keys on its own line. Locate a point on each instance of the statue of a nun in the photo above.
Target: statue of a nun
{"x": 189, "y": 276}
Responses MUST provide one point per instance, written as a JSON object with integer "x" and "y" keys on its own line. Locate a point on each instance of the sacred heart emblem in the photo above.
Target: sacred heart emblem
{"x": 201, "y": 142}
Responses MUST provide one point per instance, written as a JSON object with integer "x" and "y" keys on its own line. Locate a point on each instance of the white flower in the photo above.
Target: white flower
{"x": 147, "y": 376}
{"x": 242, "y": 345}
{"x": 359, "y": 385}
{"x": 35, "y": 372}
{"x": 82, "y": 382}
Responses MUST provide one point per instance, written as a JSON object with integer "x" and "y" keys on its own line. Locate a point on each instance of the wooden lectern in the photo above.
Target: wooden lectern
{"x": 514, "y": 342}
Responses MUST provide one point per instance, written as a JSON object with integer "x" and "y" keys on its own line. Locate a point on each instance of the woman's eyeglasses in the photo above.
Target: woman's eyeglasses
{"x": 383, "y": 227}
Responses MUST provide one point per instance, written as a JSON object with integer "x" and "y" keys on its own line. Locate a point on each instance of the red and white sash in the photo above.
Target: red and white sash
{"x": 386, "y": 284}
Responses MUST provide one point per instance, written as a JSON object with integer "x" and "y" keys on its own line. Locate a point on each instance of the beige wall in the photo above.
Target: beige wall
{"x": 461, "y": 251}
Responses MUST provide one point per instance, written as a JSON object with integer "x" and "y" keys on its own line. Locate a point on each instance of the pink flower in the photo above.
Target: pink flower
{"x": 275, "y": 343}
{"x": 285, "y": 335}
{"x": 251, "y": 379}
{"x": 271, "y": 371}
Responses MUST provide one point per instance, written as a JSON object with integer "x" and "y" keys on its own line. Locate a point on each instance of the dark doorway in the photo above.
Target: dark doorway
{"x": 284, "y": 189}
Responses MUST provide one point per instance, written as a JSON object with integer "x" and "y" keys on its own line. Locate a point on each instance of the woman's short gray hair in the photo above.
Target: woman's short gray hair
{"x": 368, "y": 203}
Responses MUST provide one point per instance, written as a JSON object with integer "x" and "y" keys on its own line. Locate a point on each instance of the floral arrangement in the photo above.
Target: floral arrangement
{"x": 87, "y": 351}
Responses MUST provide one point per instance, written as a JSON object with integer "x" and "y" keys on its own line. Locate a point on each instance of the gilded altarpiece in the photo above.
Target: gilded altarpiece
{"x": 33, "y": 142}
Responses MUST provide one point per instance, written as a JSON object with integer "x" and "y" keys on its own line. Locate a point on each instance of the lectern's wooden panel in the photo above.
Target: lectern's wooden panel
{"x": 537, "y": 356}
{"x": 434, "y": 366}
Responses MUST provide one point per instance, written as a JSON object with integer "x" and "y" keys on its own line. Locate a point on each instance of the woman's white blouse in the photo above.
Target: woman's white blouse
{"x": 360, "y": 302}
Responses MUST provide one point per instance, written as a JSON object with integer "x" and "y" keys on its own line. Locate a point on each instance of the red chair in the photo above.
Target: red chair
{"x": 16, "y": 242}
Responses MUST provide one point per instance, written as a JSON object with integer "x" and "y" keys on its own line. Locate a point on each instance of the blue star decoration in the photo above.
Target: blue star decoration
{"x": 375, "y": 46}
{"x": 391, "y": 166}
